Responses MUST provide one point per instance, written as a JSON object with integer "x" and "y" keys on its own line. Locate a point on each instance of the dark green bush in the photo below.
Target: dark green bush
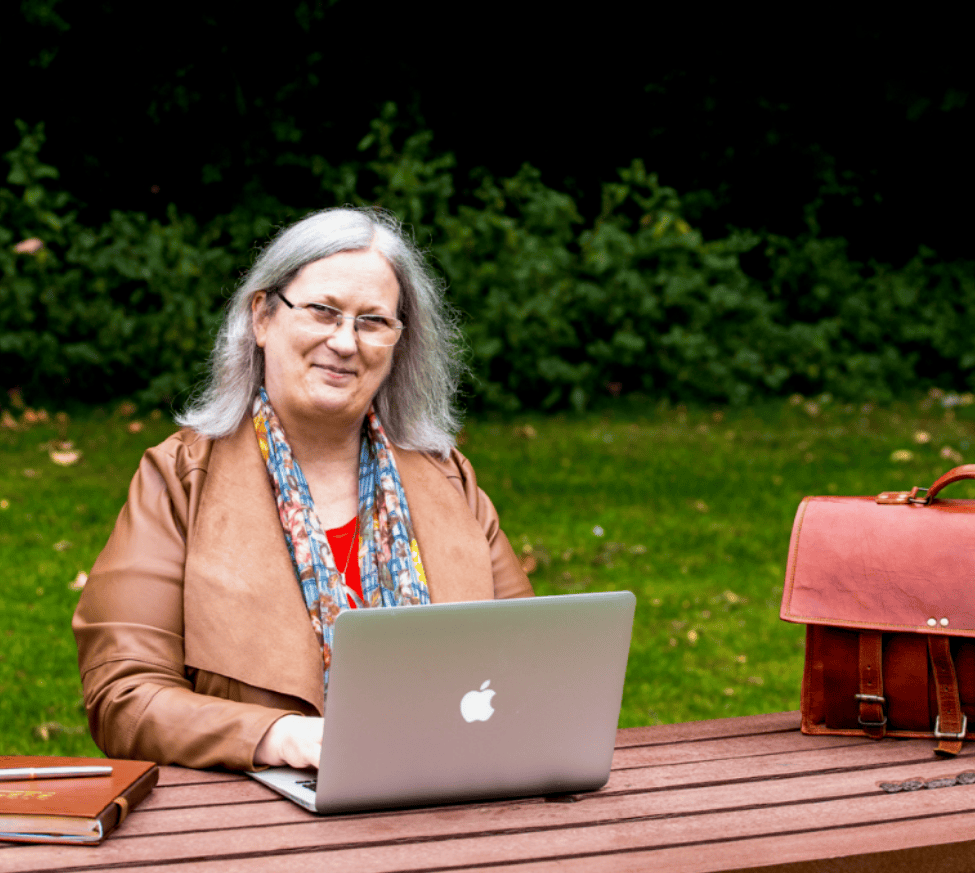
{"x": 122, "y": 309}
{"x": 557, "y": 310}
{"x": 869, "y": 330}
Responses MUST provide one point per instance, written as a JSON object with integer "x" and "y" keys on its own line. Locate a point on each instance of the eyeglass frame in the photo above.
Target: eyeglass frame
{"x": 342, "y": 316}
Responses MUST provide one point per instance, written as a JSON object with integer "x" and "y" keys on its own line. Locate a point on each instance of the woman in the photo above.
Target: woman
{"x": 315, "y": 473}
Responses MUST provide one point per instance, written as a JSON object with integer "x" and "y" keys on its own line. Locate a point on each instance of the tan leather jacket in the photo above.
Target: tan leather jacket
{"x": 192, "y": 634}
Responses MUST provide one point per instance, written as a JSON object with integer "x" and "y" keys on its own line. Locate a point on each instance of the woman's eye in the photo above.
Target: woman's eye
{"x": 324, "y": 313}
{"x": 371, "y": 322}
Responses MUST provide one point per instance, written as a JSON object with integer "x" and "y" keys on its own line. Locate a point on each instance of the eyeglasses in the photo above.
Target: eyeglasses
{"x": 374, "y": 330}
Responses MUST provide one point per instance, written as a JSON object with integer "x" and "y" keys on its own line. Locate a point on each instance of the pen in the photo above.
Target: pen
{"x": 17, "y": 774}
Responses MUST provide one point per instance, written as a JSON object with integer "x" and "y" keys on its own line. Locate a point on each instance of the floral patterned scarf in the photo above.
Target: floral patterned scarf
{"x": 389, "y": 560}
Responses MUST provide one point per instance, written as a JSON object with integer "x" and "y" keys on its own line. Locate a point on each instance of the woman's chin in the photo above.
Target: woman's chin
{"x": 337, "y": 406}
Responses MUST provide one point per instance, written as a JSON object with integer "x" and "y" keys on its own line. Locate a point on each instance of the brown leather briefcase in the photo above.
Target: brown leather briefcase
{"x": 886, "y": 587}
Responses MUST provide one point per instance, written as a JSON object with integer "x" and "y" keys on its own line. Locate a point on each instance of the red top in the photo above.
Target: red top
{"x": 345, "y": 551}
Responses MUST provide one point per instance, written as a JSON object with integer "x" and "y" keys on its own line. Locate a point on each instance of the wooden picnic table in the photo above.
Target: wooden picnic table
{"x": 731, "y": 794}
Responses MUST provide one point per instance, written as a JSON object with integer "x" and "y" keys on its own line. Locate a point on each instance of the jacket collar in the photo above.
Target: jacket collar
{"x": 245, "y": 617}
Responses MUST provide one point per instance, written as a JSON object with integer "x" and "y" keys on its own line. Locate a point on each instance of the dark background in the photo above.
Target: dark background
{"x": 860, "y": 126}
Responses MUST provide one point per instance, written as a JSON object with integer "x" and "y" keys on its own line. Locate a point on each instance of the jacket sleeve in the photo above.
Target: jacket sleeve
{"x": 510, "y": 579}
{"x": 140, "y": 700}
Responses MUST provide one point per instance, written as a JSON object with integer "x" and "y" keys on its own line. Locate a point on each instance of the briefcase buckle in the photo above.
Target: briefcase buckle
{"x": 938, "y": 735}
{"x": 872, "y": 698}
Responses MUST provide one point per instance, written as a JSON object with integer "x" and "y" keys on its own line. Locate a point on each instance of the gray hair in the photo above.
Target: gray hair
{"x": 416, "y": 401}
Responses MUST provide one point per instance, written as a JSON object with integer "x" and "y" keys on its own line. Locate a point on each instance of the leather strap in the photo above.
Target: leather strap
{"x": 950, "y": 726}
{"x": 872, "y": 717}
{"x": 965, "y": 471}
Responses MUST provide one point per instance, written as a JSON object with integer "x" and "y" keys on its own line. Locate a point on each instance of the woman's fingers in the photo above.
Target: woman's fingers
{"x": 293, "y": 741}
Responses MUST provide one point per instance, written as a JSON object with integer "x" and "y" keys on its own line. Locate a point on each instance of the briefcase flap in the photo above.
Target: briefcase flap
{"x": 899, "y": 567}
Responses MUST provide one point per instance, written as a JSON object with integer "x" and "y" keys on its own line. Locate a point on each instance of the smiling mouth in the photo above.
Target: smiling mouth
{"x": 336, "y": 371}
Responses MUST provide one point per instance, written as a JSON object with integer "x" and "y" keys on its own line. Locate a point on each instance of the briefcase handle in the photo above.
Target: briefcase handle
{"x": 965, "y": 471}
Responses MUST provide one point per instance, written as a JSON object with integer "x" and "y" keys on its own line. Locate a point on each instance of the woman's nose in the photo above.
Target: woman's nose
{"x": 343, "y": 338}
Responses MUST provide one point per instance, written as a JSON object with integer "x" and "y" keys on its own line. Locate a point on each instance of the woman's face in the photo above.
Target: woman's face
{"x": 309, "y": 378}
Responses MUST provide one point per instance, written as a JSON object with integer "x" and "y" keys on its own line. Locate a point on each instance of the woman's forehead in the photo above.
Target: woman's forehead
{"x": 362, "y": 274}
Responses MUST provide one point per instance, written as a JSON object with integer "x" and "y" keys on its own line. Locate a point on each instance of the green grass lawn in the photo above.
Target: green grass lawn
{"x": 690, "y": 509}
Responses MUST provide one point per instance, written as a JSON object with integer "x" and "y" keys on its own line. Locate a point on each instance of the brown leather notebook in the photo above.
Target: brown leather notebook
{"x": 82, "y": 810}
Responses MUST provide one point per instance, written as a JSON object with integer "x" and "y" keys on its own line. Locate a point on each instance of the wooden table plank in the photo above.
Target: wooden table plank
{"x": 691, "y": 790}
{"x": 498, "y": 833}
{"x": 841, "y": 854}
{"x": 691, "y": 731}
{"x": 611, "y": 850}
{"x": 723, "y": 798}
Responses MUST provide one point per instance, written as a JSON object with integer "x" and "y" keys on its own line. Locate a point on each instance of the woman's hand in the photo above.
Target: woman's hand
{"x": 292, "y": 741}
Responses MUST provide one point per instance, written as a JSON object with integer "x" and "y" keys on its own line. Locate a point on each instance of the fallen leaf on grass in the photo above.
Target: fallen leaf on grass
{"x": 949, "y": 454}
{"x": 950, "y": 400}
{"x": 61, "y": 546}
{"x": 8, "y": 421}
{"x": 49, "y": 729}
{"x": 921, "y": 437}
{"x": 126, "y": 409}
{"x": 134, "y": 427}
{"x": 29, "y": 246}
{"x": 31, "y": 474}
{"x": 79, "y": 581}
{"x": 528, "y": 563}
{"x": 64, "y": 458}
{"x": 4, "y": 504}
{"x": 902, "y": 456}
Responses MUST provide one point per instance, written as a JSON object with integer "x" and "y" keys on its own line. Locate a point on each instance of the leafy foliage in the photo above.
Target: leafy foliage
{"x": 870, "y": 330}
{"x": 558, "y": 311}
{"x": 126, "y": 307}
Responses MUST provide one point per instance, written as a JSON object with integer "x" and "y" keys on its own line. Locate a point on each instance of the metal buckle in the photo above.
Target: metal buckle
{"x": 871, "y": 698}
{"x": 959, "y": 736}
{"x": 913, "y": 498}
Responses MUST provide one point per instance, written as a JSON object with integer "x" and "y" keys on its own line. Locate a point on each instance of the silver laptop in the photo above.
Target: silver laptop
{"x": 460, "y": 702}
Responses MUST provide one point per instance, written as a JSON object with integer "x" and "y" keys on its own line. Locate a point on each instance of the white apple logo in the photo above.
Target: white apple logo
{"x": 476, "y": 705}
